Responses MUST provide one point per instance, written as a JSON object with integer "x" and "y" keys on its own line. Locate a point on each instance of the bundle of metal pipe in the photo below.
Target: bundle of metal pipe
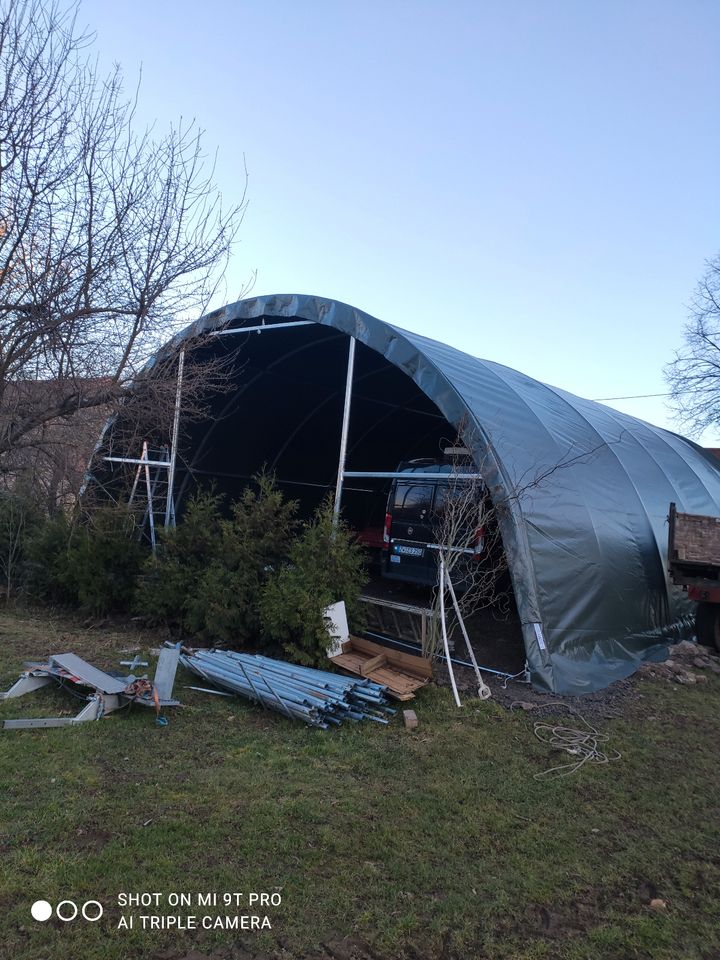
{"x": 319, "y": 698}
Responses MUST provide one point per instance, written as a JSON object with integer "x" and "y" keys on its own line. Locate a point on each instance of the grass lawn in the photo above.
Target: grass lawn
{"x": 436, "y": 843}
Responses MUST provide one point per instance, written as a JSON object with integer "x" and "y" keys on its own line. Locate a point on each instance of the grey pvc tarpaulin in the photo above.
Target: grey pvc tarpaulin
{"x": 582, "y": 494}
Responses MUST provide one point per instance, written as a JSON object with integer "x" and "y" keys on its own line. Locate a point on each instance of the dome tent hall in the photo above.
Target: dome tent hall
{"x": 585, "y": 489}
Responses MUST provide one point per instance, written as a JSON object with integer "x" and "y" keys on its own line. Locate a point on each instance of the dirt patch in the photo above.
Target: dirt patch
{"x": 91, "y": 838}
{"x": 689, "y": 663}
{"x": 35, "y": 635}
{"x": 607, "y": 704}
{"x": 338, "y": 948}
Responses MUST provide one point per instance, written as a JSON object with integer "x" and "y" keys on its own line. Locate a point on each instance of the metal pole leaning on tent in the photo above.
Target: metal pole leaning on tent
{"x": 170, "y": 503}
{"x": 484, "y": 691}
{"x": 345, "y": 430}
{"x": 135, "y": 484}
{"x": 443, "y": 625}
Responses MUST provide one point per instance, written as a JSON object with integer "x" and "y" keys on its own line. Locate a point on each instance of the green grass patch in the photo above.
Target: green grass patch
{"x": 432, "y": 843}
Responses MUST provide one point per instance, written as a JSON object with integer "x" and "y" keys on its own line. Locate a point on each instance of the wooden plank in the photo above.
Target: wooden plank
{"x": 401, "y": 696}
{"x": 400, "y": 685}
{"x": 349, "y": 661}
{"x": 373, "y": 663}
{"x": 396, "y": 681}
{"x": 407, "y": 662}
{"x": 397, "y": 687}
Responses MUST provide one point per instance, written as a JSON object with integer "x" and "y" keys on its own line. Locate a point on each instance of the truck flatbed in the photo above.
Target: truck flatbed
{"x": 694, "y": 564}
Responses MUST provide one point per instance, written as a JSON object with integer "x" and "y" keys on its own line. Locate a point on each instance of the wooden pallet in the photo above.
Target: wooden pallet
{"x": 401, "y": 673}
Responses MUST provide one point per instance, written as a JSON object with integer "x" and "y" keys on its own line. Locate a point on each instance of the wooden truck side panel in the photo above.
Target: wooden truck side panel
{"x": 693, "y": 548}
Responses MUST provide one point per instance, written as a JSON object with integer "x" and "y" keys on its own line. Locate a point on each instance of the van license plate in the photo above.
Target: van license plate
{"x": 409, "y": 551}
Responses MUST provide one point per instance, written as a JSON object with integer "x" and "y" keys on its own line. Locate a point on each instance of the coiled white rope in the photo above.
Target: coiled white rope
{"x": 583, "y": 745}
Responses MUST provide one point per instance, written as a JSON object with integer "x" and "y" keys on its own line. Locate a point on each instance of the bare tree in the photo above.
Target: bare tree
{"x": 50, "y": 464}
{"x": 694, "y": 374}
{"x": 467, "y": 534}
{"x": 110, "y": 237}
{"x": 17, "y": 514}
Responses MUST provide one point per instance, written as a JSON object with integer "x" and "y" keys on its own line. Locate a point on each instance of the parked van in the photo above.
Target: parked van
{"x": 414, "y": 518}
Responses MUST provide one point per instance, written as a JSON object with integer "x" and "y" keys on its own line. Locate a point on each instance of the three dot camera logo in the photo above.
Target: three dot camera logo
{"x": 67, "y": 910}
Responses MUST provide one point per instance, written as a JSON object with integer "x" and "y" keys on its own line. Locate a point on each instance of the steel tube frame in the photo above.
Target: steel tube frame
{"x": 139, "y": 461}
{"x": 317, "y": 697}
{"x": 345, "y": 431}
{"x": 261, "y": 328}
{"x": 416, "y": 476}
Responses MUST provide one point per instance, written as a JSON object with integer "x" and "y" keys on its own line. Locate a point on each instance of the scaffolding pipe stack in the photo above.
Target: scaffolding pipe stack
{"x": 316, "y": 697}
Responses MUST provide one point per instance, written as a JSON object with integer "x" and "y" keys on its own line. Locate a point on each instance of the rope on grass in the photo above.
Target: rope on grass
{"x": 582, "y": 745}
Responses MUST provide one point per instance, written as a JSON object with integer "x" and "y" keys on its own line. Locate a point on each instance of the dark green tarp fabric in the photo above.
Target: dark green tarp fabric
{"x": 582, "y": 491}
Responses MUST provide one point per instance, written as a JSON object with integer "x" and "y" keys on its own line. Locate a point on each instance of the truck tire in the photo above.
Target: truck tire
{"x": 707, "y": 624}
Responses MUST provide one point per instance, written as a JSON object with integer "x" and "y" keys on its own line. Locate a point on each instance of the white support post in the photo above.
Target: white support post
{"x": 170, "y": 504}
{"x": 345, "y": 431}
{"x": 138, "y": 460}
{"x": 443, "y": 626}
{"x": 484, "y": 691}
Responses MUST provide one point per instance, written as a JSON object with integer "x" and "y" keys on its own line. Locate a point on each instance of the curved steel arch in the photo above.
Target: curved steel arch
{"x": 583, "y": 493}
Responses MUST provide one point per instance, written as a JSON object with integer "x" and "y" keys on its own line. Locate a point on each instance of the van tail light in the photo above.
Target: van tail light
{"x": 479, "y": 543}
{"x": 386, "y": 531}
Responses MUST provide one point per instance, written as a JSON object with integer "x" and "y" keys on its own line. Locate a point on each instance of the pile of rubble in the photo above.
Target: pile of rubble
{"x": 685, "y": 660}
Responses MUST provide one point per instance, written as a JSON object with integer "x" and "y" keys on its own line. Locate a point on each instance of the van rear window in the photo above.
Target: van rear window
{"x": 411, "y": 500}
{"x": 470, "y": 512}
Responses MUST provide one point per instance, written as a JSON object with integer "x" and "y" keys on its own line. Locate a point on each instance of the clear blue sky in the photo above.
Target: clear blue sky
{"x": 535, "y": 183}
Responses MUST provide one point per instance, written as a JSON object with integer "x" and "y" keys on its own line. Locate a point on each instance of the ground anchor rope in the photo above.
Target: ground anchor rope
{"x": 582, "y": 745}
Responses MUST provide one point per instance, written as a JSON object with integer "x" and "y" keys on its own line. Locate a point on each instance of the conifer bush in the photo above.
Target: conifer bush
{"x": 325, "y": 564}
{"x": 50, "y": 577}
{"x": 253, "y": 543}
{"x": 209, "y": 572}
{"x": 102, "y": 561}
{"x": 169, "y": 589}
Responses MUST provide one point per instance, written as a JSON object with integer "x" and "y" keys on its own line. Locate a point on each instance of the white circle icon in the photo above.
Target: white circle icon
{"x": 99, "y": 913}
{"x": 41, "y": 911}
{"x": 72, "y": 915}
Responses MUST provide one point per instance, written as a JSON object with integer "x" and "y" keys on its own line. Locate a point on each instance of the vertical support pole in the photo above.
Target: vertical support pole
{"x": 345, "y": 430}
{"x": 153, "y": 489}
{"x": 483, "y": 690}
{"x": 149, "y": 489}
{"x": 170, "y": 504}
{"x": 443, "y": 626}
